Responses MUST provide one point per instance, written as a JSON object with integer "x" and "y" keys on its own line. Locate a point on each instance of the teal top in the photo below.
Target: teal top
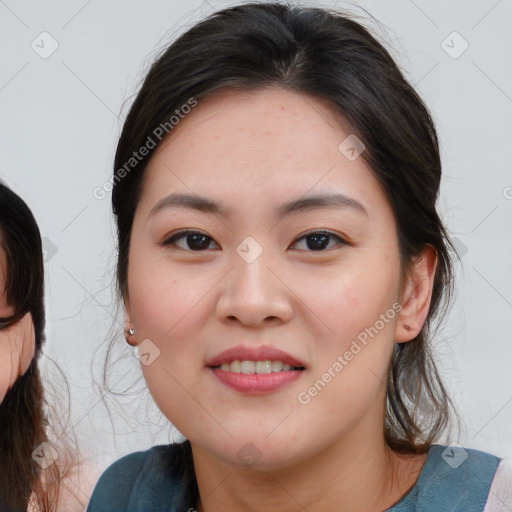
{"x": 162, "y": 479}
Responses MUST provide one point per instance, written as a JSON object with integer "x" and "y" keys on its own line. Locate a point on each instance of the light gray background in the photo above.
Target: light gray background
{"x": 59, "y": 126}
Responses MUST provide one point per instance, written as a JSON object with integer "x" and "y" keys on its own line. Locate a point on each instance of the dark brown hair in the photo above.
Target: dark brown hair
{"x": 326, "y": 54}
{"x": 23, "y": 422}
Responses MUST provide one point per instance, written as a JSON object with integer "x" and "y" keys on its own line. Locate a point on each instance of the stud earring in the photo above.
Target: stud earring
{"x": 407, "y": 327}
{"x": 127, "y": 335}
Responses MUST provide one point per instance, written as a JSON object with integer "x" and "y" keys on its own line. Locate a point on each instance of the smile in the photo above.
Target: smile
{"x": 255, "y": 370}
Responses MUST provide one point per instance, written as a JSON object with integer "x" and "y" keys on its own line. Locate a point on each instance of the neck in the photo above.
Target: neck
{"x": 359, "y": 473}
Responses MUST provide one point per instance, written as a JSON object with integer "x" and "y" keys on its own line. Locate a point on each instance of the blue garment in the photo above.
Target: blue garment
{"x": 156, "y": 480}
{"x": 447, "y": 483}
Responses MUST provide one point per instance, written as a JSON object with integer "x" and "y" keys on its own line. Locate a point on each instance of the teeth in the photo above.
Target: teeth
{"x": 255, "y": 366}
{"x": 264, "y": 367}
{"x": 277, "y": 366}
{"x": 248, "y": 366}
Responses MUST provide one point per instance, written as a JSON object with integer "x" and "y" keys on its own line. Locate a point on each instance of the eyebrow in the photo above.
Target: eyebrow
{"x": 206, "y": 205}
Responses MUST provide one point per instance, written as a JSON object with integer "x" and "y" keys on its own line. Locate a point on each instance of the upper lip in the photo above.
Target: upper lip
{"x": 249, "y": 353}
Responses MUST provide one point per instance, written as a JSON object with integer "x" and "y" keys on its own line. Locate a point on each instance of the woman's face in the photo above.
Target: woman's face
{"x": 17, "y": 342}
{"x": 254, "y": 278}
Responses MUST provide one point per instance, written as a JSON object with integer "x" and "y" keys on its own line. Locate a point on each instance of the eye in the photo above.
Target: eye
{"x": 316, "y": 241}
{"x": 196, "y": 241}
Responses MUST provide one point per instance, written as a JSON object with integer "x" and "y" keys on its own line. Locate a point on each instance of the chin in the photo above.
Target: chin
{"x": 258, "y": 453}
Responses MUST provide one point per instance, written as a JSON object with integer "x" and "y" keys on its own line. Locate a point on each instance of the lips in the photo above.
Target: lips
{"x": 247, "y": 353}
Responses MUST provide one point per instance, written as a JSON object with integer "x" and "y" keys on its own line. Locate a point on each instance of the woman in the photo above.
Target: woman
{"x": 22, "y": 417}
{"x": 281, "y": 261}
{"x": 35, "y": 474}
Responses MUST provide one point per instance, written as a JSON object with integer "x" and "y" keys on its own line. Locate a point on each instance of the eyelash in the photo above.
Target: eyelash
{"x": 185, "y": 233}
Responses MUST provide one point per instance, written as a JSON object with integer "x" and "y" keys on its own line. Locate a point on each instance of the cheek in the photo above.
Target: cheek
{"x": 356, "y": 337}
{"x": 168, "y": 307}
{"x": 162, "y": 298}
{"x": 352, "y": 354}
{"x": 349, "y": 299}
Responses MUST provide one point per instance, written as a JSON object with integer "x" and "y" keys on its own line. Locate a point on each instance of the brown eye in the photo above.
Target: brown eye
{"x": 317, "y": 241}
{"x": 195, "y": 241}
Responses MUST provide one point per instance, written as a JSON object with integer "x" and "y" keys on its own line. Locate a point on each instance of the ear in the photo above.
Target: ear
{"x": 130, "y": 338}
{"x": 417, "y": 294}
{"x": 127, "y": 309}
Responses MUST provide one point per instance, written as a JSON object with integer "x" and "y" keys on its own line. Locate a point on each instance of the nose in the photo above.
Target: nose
{"x": 255, "y": 294}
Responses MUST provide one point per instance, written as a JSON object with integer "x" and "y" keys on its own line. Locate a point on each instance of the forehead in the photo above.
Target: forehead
{"x": 268, "y": 125}
{"x": 268, "y": 143}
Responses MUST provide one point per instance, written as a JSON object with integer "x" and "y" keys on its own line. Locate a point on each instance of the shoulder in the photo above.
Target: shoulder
{"x": 500, "y": 495}
{"x": 452, "y": 478}
{"x": 132, "y": 479}
{"x": 115, "y": 485}
{"x": 459, "y": 476}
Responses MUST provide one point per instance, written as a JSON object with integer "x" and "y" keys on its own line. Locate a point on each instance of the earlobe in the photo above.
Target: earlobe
{"x": 417, "y": 295}
{"x": 129, "y": 331}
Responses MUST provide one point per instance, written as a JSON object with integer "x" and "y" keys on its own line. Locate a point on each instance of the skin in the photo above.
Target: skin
{"x": 17, "y": 343}
{"x": 252, "y": 152}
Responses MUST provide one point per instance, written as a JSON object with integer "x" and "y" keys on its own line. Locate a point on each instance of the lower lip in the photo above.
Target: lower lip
{"x": 257, "y": 383}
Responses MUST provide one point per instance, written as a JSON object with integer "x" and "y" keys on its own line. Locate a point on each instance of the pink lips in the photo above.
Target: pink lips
{"x": 255, "y": 383}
